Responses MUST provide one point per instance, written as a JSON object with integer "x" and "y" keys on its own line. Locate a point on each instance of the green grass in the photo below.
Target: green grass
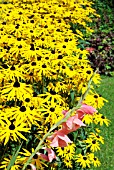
{"x": 106, "y": 154}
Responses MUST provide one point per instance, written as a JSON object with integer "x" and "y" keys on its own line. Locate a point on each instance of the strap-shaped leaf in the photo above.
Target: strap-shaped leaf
{"x": 14, "y": 156}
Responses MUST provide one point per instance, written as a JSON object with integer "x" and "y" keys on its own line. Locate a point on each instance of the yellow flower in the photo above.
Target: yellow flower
{"x": 94, "y": 159}
{"x": 11, "y": 72}
{"x": 67, "y": 154}
{"x": 96, "y": 162}
{"x": 12, "y": 130}
{"x": 88, "y": 119}
{"x": 101, "y": 119}
{"x": 93, "y": 144}
{"x": 83, "y": 160}
{"x": 97, "y": 137}
{"x": 16, "y": 90}
{"x": 27, "y": 114}
{"x": 67, "y": 162}
{"x": 36, "y": 160}
{"x": 95, "y": 100}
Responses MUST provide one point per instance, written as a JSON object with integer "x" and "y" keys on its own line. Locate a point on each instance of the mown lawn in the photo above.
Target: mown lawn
{"x": 106, "y": 154}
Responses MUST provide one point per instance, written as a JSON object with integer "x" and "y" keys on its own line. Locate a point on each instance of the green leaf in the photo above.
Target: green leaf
{"x": 14, "y": 156}
{"x": 100, "y": 47}
{"x": 108, "y": 67}
{"x": 72, "y": 93}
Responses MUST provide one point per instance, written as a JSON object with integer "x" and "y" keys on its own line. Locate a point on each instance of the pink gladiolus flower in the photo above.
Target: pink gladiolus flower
{"x": 85, "y": 109}
{"x": 51, "y": 155}
{"x": 59, "y": 139}
{"x": 72, "y": 124}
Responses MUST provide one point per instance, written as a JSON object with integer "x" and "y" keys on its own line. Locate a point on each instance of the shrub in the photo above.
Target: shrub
{"x": 102, "y": 39}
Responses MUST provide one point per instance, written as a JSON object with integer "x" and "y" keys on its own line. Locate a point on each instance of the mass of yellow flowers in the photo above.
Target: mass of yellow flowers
{"x": 42, "y": 73}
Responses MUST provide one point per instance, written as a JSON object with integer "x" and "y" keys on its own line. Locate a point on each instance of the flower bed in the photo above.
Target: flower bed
{"x": 48, "y": 103}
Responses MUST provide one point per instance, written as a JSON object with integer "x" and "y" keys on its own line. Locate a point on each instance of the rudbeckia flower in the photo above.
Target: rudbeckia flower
{"x": 36, "y": 160}
{"x": 93, "y": 144}
{"x": 83, "y": 160}
{"x": 12, "y": 130}
{"x": 16, "y": 90}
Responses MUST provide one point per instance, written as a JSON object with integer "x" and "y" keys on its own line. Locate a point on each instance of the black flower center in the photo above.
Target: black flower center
{"x": 80, "y": 57}
{"x": 44, "y": 66}
{"x": 35, "y": 156}
{"x": 32, "y": 47}
{"x": 53, "y": 51}
{"x": 22, "y": 108}
{"x": 64, "y": 46}
{"x": 94, "y": 142}
{"x": 42, "y": 39}
{"x": 19, "y": 39}
{"x": 47, "y": 58}
{"x": 31, "y": 31}
{"x": 45, "y": 26}
{"x": 32, "y": 21}
{"x": 98, "y": 136}
{"x": 17, "y": 26}
{"x": 53, "y": 73}
{"x": 102, "y": 117}
{"x": 85, "y": 158}
{"x": 33, "y": 63}
{"x": 95, "y": 96}
{"x": 12, "y": 127}
{"x": 63, "y": 67}
{"x": 37, "y": 48}
{"x": 4, "y": 23}
{"x": 88, "y": 72}
{"x": 31, "y": 74}
{"x": 30, "y": 17}
{"x": 60, "y": 56}
{"x": 38, "y": 58}
{"x": 32, "y": 107}
{"x": 27, "y": 100}
{"x": 12, "y": 68}
{"x": 20, "y": 46}
{"x": 52, "y": 109}
{"x": 58, "y": 30}
{"x": 16, "y": 84}
{"x": 20, "y": 13}
{"x": 52, "y": 92}
{"x": 66, "y": 40}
